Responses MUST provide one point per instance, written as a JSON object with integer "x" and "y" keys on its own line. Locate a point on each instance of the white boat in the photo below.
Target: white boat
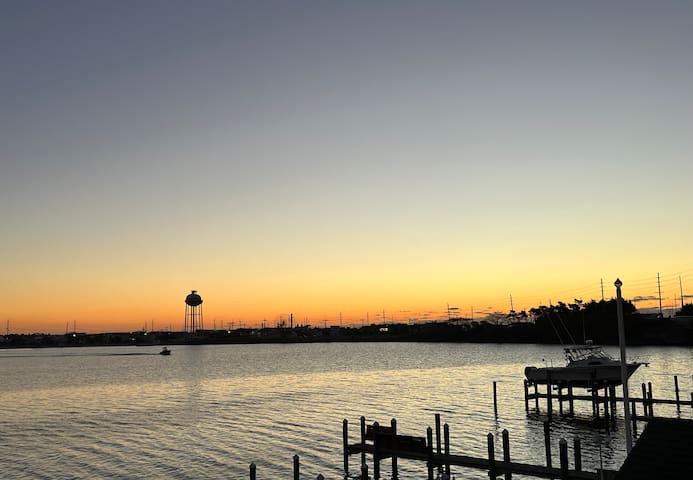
{"x": 587, "y": 366}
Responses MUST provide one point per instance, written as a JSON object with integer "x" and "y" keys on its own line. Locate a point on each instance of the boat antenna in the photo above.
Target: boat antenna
{"x": 565, "y": 327}
{"x": 555, "y": 330}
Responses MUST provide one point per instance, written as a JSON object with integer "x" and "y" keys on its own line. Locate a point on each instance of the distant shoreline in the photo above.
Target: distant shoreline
{"x": 640, "y": 331}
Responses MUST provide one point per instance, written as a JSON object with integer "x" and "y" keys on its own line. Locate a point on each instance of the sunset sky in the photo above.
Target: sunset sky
{"x": 323, "y": 157}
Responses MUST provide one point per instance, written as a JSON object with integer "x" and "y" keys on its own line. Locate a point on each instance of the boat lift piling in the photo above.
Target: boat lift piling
{"x": 604, "y": 400}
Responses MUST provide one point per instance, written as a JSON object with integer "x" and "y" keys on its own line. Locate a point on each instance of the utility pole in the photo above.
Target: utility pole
{"x": 659, "y": 289}
{"x": 512, "y": 308}
{"x": 681, "y": 288}
{"x": 624, "y": 367}
{"x": 601, "y": 281}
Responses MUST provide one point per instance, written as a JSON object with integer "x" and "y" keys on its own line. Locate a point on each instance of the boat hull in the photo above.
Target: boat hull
{"x": 586, "y": 377}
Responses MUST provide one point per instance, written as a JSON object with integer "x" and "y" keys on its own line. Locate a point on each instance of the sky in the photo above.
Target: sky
{"x": 363, "y": 159}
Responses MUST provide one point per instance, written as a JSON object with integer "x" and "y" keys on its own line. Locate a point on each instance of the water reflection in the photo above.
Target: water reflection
{"x": 209, "y": 411}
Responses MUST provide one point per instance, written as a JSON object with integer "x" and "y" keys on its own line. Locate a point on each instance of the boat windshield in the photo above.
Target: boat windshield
{"x": 582, "y": 352}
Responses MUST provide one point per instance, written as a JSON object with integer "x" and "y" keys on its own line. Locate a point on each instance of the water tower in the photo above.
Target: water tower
{"x": 193, "y": 312}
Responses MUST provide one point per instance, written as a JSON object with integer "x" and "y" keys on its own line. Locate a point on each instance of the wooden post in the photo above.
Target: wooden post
{"x": 491, "y": 457}
{"x": 536, "y": 398}
{"x": 429, "y": 439}
{"x": 644, "y": 401}
{"x": 578, "y": 454}
{"x": 376, "y": 453}
{"x": 438, "y": 448}
{"x": 571, "y": 410}
{"x": 364, "y": 471}
{"x": 252, "y": 471}
{"x": 595, "y": 391}
{"x": 676, "y": 389}
{"x": 691, "y": 399}
{"x": 495, "y": 400}
{"x": 560, "y": 400}
{"x": 649, "y": 398}
{"x": 549, "y": 402}
{"x": 634, "y": 417}
{"x": 345, "y": 442}
{"x": 506, "y": 453}
{"x": 446, "y": 447}
{"x": 547, "y": 443}
{"x": 393, "y": 424}
{"x": 526, "y": 396}
{"x": 363, "y": 440}
{"x": 606, "y": 410}
{"x": 612, "y": 398}
{"x": 297, "y": 475}
{"x": 563, "y": 455}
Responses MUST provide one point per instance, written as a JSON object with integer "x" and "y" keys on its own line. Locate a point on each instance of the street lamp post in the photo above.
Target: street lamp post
{"x": 624, "y": 366}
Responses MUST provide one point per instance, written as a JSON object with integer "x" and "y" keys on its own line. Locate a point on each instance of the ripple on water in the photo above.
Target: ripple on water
{"x": 208, "y": 412}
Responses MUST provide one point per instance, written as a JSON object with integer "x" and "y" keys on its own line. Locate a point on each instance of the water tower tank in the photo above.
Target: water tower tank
{"x": 193, "y": 299}
{"x": 193, "y": 312}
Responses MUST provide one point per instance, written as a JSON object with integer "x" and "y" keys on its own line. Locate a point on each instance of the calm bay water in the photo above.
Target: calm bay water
{"x": 207, "y": 412}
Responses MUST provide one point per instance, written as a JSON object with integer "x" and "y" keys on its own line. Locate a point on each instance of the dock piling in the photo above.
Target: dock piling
{"x": 607, "y": 415}
{"x": 491, "y": 456}
{"x": 676, "y": 390}
{"x": 253, "y": 469}
{"x": 613, "y": 406}
{"x": 438, "y": 445}
{"x": 446, "y": 447}
{"x": 644, "y": 400}
{"x": 429, "y": 440}
{"x": 563, "y": 455}
{"x": 578, "y": 454}
{"x": 363, "y": 440}
{"x": 376, "y": 453}
{"x": 495, "y": 400}
{"x": 547, "y": 443}
{"x": 506, "y": 452}
{"x": 560, "y": 400}
{"x": 395, "y": 474}
{"x": 526, "y": 396}
{"x": 345, "y": 442}
{"x": 297, "y": 474}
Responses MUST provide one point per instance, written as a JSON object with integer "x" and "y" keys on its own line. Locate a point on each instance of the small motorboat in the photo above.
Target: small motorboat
{"x": 165, "y": 351}
{"x": 587, "y": 366}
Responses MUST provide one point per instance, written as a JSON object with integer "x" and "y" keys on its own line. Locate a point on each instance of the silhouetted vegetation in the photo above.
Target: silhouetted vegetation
{"x": 565, "y": 323}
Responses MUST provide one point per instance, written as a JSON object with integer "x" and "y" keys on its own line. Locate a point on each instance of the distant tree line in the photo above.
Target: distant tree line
{"x": 566, "y": 323}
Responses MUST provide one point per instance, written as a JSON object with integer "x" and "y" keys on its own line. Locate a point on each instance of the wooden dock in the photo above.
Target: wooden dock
{"x": 383, "y": 442}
